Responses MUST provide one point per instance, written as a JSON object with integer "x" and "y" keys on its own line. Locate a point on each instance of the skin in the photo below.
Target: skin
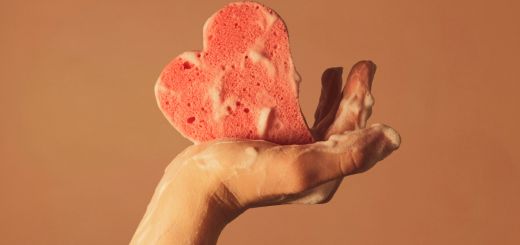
{"x": 208, "y": 185}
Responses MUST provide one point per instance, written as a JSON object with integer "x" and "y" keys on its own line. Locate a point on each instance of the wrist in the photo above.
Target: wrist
{"x": 197, "y": 220}
{"x": 185, "y": 211}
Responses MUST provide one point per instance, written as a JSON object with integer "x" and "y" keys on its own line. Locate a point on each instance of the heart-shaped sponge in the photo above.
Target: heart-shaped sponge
{"x": 241, "y": 85}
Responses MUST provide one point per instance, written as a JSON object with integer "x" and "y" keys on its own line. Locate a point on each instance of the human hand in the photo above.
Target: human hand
{"x": 209, "y": 184}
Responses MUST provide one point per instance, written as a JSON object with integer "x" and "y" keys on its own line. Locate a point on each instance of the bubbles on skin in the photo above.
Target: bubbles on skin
{"x": 207, "y": 160}
{"x": 226, "y": 151}
{"x": 251, "y": 154}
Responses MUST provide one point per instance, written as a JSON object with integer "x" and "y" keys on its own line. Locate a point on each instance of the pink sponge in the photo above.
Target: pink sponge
{"x": 241, "y": 85}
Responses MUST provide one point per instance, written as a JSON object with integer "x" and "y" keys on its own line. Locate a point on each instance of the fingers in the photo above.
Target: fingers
{"x": 329, "y": 101}
{"x": 341, "y": 155}
{"x": 356, "y": 103}
{"x": 350, "y": 112}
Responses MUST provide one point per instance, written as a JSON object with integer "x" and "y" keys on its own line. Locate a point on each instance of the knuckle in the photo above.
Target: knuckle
{"x": 350, "y": 163}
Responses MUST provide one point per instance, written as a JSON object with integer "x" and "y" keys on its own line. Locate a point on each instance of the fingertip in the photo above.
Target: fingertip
{"x": 392, "y": 136}
{"x": 367, "y": 64}
{"x": 364, "y": 69}
{"x": 332, "y": 74}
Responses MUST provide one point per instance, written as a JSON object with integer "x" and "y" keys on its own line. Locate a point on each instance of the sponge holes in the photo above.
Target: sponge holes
{"x": 187, "y": 65}
{"x": 191, "y": 120}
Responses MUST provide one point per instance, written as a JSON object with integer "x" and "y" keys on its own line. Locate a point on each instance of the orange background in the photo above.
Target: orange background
{"x": 83, "y": 143}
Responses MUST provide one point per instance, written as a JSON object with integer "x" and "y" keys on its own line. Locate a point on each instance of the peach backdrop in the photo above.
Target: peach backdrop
{"x": 82, "y": 143}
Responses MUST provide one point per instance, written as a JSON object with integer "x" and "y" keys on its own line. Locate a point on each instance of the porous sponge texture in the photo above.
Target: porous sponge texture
{"x": 243, "y": 83}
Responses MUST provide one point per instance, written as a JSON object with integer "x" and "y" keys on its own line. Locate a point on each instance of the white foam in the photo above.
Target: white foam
{"x": 258, "y": 57}
{"x": 251, "y": 154}
{"x": 314, "y": 197}
{"x": 270, "y": 18}
{"x": 191, "y": 57}
{"x": 159, "y": 87}
{"x": 263, "y": 117}
{"x": 215, "y": 95}
{"x": 254, "y": 55}
{"x": 392, "y": 135}
{"x": 251, "y": 151}
{"x": 205, "y": 31}
{"x": 269, "y": 67}
{"x": 296, "y": 78}
{"x": 219, "y": 106}
{"x": 267, "y": 22}
{"x": 369, "y": 100}
{"x": 207, "y": 161}
{"x": 352, "y": 105}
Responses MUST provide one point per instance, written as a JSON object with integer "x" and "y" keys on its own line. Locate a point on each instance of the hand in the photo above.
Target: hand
{"x": 208, "y": 185}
